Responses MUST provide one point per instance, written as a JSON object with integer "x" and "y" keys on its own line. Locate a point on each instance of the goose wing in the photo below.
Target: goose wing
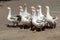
{"x": 13, "y": 18}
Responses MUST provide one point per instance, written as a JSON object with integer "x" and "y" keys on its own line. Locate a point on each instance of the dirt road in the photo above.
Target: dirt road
{"x": 7, "y": 33}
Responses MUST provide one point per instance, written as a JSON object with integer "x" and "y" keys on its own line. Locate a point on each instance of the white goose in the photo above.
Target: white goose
{"x": 11, "y": 18}
{"x": 37, "y": 25}
{"x": 21, "y": 13}
{"x": 41, "y": 17}
{"x": 26, "y": 14}
{"x": 34, "y": 18}
{"x": 25, "y": 20}
{"x": 50, "y": 19}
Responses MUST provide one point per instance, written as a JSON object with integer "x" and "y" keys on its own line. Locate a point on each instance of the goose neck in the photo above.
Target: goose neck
{"x": 40, "y": 11}
{"x": 33, "y": 13}
{"x": 25, "y": 9}
{"x": 20, "y": 12}
{"x": 48, "y": 12}
{"x": 9, "y": 12}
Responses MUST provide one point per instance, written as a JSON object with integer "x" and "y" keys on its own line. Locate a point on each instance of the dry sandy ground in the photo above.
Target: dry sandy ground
{"x": 7, "y": 33}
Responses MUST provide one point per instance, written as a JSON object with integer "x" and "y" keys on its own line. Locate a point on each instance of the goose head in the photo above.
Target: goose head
{"x": 40, "y": 10}
{"x": 21, "y": 8}
{"x": 37, "y": 10}
{"x": 8, "y": 7}
{"x": 48, "y": 11}
{"x": 33, "y": 9}
{"x": 39, "y": 6}
{"x": 47, "y": 6}
{"x": 24, "y": 4}
{"x": 25, "y": 8}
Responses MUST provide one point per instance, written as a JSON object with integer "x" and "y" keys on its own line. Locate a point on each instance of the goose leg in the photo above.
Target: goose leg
{"x": 32, "y": 28}
{"x": 43, "y": 28}
{"x": 17, "y": 23}
{"x": 38, "y": 29}
{"x": 13, "y": 23}
{"x": 54, "y": 25}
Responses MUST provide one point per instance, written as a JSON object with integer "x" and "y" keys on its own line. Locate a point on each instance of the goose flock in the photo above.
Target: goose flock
{"x": 35, "y": 20}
